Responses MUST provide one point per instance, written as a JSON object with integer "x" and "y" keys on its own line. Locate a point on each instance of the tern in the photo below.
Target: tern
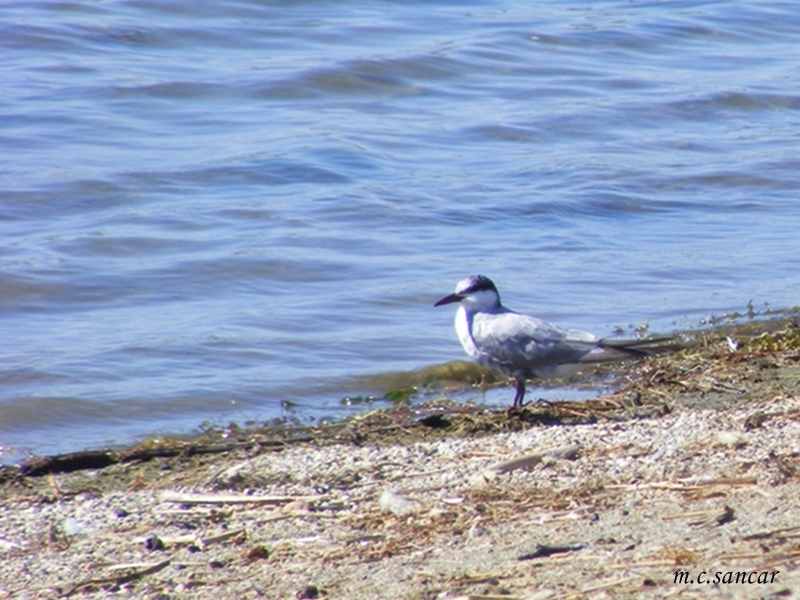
{"x": 524, "y": 347}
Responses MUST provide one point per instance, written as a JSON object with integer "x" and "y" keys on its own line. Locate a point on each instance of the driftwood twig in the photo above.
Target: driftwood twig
{"x": 116, "y": 580}
{"x": 530, "y": 460}
{"x": 182, "y": 498}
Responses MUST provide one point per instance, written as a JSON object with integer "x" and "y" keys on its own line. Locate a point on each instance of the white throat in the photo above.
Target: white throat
{"x": 464, "y": 331}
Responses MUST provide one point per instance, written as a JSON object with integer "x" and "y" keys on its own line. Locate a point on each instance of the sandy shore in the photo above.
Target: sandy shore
{"x": 694, "y": 467}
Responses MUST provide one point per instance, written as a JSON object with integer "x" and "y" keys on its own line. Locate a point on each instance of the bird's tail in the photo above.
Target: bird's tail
{"x": 640, "y": 347}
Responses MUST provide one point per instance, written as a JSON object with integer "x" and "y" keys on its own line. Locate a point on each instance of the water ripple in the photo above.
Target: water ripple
{"x": 202, "y": 206}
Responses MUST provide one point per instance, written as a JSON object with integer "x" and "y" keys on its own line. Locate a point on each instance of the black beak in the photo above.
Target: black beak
{"x": 449, "y": 299}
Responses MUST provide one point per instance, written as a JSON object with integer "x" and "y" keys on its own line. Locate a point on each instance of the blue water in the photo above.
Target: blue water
{"x": 210, "y": 208}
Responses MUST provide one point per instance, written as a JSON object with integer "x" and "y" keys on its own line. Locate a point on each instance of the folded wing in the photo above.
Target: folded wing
{"x": 519, "y": 345}
{"x": 523, "y": 346}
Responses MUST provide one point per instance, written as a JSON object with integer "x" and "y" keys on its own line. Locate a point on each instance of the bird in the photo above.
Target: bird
{"x": 523, "y": 347}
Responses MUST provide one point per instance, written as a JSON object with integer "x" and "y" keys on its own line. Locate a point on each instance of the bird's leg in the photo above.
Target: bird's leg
{"x": 520, "y": 393}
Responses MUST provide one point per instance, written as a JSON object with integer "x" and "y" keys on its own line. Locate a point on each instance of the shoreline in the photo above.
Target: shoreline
{"x": 454, "y": 375}
{"x": 692, "y": 467}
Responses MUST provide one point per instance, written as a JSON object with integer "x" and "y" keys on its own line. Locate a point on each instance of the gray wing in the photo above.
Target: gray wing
{"x": 519, "y": 345}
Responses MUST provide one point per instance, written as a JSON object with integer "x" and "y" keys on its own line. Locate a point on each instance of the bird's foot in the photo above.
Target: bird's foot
{"x": 517, "y": 408}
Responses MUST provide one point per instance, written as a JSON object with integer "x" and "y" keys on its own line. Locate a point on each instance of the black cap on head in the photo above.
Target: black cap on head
{"x": 475, "y": 283}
